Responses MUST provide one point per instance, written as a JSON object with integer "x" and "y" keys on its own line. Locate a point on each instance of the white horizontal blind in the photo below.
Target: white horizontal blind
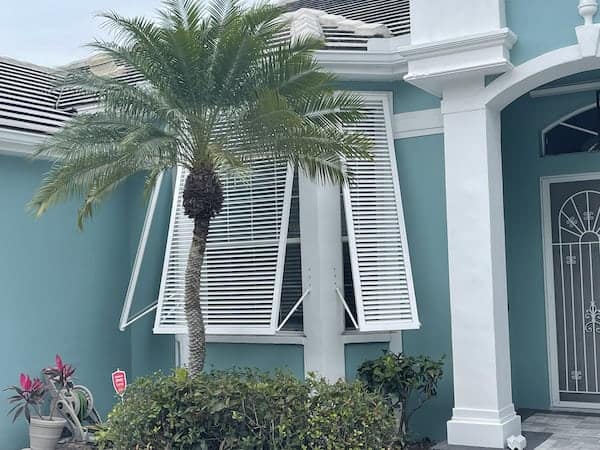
{"x": 243, "y": 266}
{"x": 381, "y": 271}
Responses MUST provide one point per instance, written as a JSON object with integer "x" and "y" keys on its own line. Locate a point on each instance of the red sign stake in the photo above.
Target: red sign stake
{"x": 119, "y": 381}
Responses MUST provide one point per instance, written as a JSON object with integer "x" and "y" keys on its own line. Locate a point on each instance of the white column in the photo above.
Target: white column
{"x": 450, "y": 19}
{"x": 484, "y": 414}
{"x": 322, "y": 271}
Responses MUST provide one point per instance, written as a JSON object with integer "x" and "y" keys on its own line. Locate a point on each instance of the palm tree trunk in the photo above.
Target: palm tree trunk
{"x": 193, "y": 310}
{"x": 202, "y": 200}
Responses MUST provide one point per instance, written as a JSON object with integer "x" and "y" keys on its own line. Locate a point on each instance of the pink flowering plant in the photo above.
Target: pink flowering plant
{"x": 30, "y": 395}
{"x": 60, "y": 375}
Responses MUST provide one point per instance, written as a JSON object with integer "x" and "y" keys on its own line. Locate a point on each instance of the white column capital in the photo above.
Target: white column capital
{"x": 451, "y": 39}
{"x": 463, "y": 95}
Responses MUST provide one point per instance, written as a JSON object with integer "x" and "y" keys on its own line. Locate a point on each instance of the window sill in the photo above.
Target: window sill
{"x": 296, "y": 338}
{"x": 357, "y": 337}
{"x": 282, "y": 338}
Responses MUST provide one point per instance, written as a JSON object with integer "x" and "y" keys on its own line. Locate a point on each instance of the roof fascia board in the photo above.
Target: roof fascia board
{"x": 364, "y": 66}
{"x": 19, "y": 143}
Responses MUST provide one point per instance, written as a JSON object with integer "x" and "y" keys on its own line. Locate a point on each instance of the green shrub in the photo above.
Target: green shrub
{"x": 247, "y": 410}
{"x": 346, "y": 416}
{"x": 407, "y": 382}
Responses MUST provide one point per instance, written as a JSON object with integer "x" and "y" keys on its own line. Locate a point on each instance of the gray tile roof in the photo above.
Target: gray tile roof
{"x": 395, "y": 14}
{"x": 30, "y": 102}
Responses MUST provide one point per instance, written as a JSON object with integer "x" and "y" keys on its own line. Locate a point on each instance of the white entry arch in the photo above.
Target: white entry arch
{"x": 484, "y": 414}
{"x": 534, "y": 73}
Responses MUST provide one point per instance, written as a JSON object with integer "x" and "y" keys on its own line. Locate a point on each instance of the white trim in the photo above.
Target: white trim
{"x": 293, "y": 338}
{"x": 364, "y": 66}
{"x": 549, "y": 293}
{"x": 418, "y": 123}
{"x": 346, "y": 307}
{"x": 387, "y": 101}
{"x": 125, "y": 321}
{"x": 563, "y": 119}
{"x": 356, "y": 337}
{"x": 281, "y": 337}
{"x": 503, "y": 36}
{"x": 177, "y": 180}
{"x": 536, "y": 72}
{"x": 433, "y": 64}
{"x": 565, "y": 89}
{"x": 19, "y": 143}
{"x": 293, "y": 310}
{"x": 283, "y": 233}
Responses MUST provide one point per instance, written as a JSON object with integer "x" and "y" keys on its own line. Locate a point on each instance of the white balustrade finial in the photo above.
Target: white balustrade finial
{"x": 587, "y": 10}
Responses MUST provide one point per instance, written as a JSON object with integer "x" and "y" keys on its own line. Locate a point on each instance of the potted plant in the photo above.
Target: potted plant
{"x": 31, "y": 396}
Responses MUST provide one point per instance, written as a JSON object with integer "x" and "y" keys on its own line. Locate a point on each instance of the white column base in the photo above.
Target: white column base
{"x": 482, "y": 428}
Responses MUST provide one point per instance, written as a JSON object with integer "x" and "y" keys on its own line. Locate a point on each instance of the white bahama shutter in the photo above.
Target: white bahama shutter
{"x": 381, "y": 272}
{"x": 243, "y": 267}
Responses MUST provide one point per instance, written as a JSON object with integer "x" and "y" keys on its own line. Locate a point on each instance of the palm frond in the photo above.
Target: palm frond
{"x": 220, "y": 89}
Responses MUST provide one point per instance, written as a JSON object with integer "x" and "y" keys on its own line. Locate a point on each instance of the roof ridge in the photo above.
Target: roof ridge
{"x": 25, "y": 64}
{"x": 358, "y": 27}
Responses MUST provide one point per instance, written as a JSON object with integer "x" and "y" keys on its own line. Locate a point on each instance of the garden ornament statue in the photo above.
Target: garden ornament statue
{"x": 71, "y": 406}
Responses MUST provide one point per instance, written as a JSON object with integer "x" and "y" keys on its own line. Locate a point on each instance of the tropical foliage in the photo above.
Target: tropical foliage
{"x": 31, "y": 394}
{"x": 28, "y": 395}
{"x": 223, "y": 87}
{"x": 406, "y": 382}
{"x": 247, "y": 410}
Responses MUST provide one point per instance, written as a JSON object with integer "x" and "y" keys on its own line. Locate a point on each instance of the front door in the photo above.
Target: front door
{"x": 574, "y": 215}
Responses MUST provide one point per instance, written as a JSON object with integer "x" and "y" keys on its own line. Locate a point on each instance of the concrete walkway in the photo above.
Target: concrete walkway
{"x": 566, "y": 431}
{"x": 553, "y": 431}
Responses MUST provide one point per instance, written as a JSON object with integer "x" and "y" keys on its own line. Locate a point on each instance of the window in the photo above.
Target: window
{"x": 252, "y": 275}
{"x": 242, "y": 274}
{"x": 571, "y": 134}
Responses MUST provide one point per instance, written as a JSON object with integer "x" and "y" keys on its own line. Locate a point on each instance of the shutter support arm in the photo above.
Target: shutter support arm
{"x": 125, "y": 319}
{"x": 293, "y": 310}
{"x": 346, "y": 307}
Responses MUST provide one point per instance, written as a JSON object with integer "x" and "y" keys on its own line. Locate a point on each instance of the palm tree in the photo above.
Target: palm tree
{"x": 221, "y": 89}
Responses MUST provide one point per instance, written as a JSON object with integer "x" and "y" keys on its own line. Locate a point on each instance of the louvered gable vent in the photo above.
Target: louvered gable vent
{"x": 243, "y": 267}
{"x": 381, "y": 271}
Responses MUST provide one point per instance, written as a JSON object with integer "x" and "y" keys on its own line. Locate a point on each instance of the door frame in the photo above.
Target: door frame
{"x": 549, "y": 294}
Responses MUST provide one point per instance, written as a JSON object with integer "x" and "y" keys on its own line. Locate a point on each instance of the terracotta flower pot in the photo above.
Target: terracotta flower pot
{"x": 44, "y": 434}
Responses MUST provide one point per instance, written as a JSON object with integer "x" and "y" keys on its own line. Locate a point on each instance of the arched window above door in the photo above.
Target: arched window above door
{"x": 571, "y": 133}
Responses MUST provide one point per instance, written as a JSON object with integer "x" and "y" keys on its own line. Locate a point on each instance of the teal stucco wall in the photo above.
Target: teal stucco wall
{"x": 356, "y": 354}
{"x": 523, "y": 165}
{"x": 267, "y": 357}
{"x": 406, "y": 97}
{"x": 61, "y": 290}
{"x": 150, "y": 352}
{"x": 541, "y": 26}
{"x": 421, "y": 172}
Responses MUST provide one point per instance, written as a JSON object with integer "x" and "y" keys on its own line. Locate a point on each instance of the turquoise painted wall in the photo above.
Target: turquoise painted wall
{"x": 523, "y": 166}
{"x": 60, "y": 290}
{"x": 150, "y": 352}
{"x": 356, "y": 354}
{"x": 541, "y": 26}
{"x": 406, "y": 96}
{"x": 421, "y": 172}
{"x": 266, "y": 357}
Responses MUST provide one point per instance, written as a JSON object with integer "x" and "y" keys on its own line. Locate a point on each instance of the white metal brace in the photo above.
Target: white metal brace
{"x": 125, "y": 320}
{"x": 293, "y": 310}
{"x": 346, "y": 307}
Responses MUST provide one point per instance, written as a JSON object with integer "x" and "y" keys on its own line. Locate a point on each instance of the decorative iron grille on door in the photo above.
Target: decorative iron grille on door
{"x": 576, "y": 261}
